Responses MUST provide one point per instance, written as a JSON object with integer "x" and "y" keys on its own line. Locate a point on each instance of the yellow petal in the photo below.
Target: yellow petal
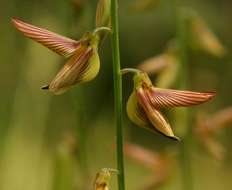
{"x": 82, "y": 67}
{"x": 159, "y": 123}
{"x": 92, "y": 69}
{"x": 135, "y": 112}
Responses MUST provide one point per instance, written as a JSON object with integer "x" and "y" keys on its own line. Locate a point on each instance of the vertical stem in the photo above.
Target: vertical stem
{"x": 185, "y": 156}
{"x": 117, "y": 91}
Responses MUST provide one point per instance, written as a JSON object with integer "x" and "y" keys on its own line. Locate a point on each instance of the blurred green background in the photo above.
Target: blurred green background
{"x": 40, "y": 143}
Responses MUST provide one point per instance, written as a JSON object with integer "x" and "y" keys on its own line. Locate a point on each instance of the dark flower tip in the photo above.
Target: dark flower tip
{"x": 46, "y": 87}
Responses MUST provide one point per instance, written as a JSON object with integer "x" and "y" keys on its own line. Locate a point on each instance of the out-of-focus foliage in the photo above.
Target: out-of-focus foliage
{"x": 33, "y": 123}
{"x": 208, "y": 127}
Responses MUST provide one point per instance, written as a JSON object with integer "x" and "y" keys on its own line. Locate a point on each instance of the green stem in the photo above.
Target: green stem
{"x": 185, "y": 149}
{"x": 117, "y": 92}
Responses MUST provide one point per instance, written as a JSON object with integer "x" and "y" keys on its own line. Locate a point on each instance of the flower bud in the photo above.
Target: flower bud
{"x": 103, "y": 178}
{"x": 103, "y": 13}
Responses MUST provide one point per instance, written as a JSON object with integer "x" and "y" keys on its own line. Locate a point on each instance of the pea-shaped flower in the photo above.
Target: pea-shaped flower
{"x": 83, "y": 64}
{"x": 208, "y": 126}
{"x": 145, "y": 102}
{"x": 159, "y": 163}
{"x": 203, "y": 38}
{"x": 166, "y": 65}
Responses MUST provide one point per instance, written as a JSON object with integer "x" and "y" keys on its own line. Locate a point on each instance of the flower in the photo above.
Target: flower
{"x": 165, "y": 64}
{"x": 83, "y": 64}
{"x": 158, "y": 163}
{"x": 204, "y": 39}
{"x": 103, "y": 178}
{"x": 152, "y": 160}
{"x": 207, "y": 127}
{"x": 145, "y": 5}
{"x": 145, "y": 102}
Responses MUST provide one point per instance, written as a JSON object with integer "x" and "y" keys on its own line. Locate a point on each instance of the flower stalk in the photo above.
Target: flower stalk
{"x": 185, "y": 157}
{"x": 130, "y": 70}
{"x": 100, "y": 29}
{"x": 117, "y": 91}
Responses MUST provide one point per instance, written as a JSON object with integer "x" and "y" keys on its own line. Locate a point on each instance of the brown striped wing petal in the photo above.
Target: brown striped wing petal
{"x": 177, "y": 98}
{"x": 57, "y": 43}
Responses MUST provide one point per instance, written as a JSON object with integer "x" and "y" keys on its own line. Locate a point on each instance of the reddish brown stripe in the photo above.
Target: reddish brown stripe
{"x": 59, "y": 44}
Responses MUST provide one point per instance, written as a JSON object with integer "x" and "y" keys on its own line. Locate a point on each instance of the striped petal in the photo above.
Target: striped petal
{"x": 135, "y": 112}
{"x": 57, "y": 43}
{"x": 140, "y": 154}
{"x": 176, "y": 98}
{"x": 157, "y": 120}
{"x": 83, "y": 66}
{"x": 91, "y": 69}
